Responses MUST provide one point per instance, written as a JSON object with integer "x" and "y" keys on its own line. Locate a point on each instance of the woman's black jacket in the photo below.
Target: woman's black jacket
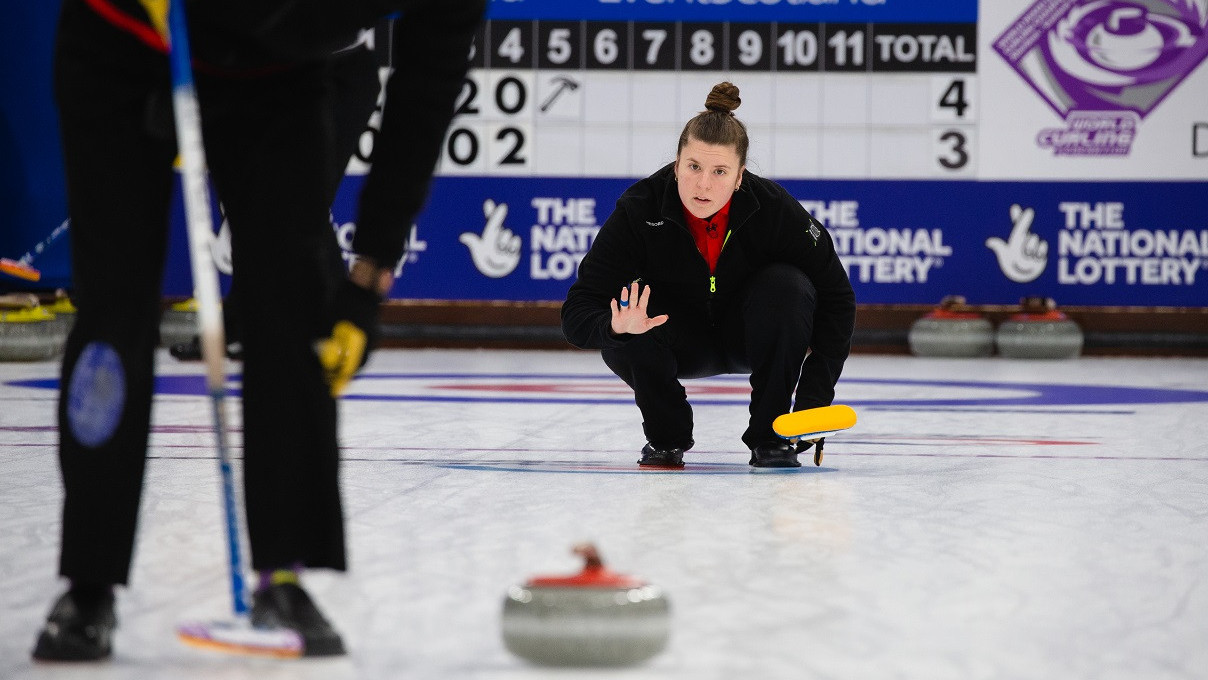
{"x": 645, "y": 238}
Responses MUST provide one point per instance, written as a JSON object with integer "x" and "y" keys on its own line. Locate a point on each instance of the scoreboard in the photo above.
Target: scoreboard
{"x": 609, "y": 98}
{"x": 994, "y": 149}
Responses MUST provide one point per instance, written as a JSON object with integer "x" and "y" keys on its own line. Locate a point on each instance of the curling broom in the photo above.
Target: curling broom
{"x": 814, "y": 424}
{"x": 23, "y": 268}
{"x": 237, "y": 636}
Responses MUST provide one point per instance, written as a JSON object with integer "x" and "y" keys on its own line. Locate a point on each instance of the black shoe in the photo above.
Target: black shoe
{"x": 79, "y": 628}
{"x": 191, "y": 350}
{"x": 655, "y": 457}
{"x": 187, "y": 351}
{"x": 776, "y": 455}
{"x": 288, "y": 606}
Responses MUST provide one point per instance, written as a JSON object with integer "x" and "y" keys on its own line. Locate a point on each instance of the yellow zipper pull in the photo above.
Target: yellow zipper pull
{"x": 712, "y": 284}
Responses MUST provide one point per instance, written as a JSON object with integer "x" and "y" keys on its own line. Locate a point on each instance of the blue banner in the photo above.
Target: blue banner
{"x": 903, "y": 242}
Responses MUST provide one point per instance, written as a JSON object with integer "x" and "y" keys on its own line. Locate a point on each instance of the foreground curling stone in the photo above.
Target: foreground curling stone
{"x": 179, "y": 323}
{"x": 594, "y": 618}
{"x": 29, "y": 333}
{"x": 951, "y": 330}
{"x": 65, "y": 315}
{"x": 1039, "y": 332}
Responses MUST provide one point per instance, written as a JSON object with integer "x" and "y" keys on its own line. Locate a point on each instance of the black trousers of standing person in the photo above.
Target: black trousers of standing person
{"x": 765, "y": 331}
{"x": 267, "y": 144}
{"x": 356, "y": 86}
{"x": 270, "y": 167}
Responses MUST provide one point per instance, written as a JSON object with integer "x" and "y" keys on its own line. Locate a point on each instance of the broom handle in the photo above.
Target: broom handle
{"x": 205, "y": 274}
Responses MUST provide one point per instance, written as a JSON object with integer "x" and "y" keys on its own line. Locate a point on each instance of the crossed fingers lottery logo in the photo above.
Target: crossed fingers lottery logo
{"x": 1104, "y": 65}
{"x": 1023, "y": 255}
{"x": 496, "y": 251}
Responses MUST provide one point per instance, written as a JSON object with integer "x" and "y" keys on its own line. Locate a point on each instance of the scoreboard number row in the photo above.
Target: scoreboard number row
{"x": 483, "y": 148}
{"x": 506, "y": 94}
{"x": 766, "y": 46}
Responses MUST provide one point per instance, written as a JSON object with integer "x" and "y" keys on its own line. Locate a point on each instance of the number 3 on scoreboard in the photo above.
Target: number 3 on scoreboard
{"x": 953, "y": 150}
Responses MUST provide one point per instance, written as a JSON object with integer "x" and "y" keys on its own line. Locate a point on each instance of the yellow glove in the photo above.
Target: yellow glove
{"x": 342, "y": 354}
{"x": 354, "y": 330}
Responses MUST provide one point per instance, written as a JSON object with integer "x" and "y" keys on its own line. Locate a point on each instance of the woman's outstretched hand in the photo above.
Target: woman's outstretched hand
{"x": 629, "y": 311}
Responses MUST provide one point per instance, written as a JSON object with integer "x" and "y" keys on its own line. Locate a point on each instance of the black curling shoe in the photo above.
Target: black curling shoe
{"x": 778, "y": 455}
{"x": 191, "y": 350}
{"x": 287, "y": 605}
{"x": 79, "y": 628}
{"x": 654, "y": 457}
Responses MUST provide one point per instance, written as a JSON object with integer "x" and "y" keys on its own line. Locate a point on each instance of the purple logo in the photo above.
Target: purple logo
{"x": 1103, "y": 65}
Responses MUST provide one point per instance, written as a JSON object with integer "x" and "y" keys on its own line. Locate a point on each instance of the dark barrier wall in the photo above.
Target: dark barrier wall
{"x": 32, "y": 201}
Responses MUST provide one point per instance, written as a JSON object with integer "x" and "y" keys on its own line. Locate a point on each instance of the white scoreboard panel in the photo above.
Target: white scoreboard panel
{"x": 600, "y": 98}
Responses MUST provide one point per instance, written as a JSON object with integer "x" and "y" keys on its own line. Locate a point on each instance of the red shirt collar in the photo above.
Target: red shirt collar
{"x": 720, "y": 220}
{"x": 709, "y": 234}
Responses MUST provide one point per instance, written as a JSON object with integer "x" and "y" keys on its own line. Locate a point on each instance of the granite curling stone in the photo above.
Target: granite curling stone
{"x": 28, "y": 332}
{"x": 178, "y": 324}
{"x": 1039, "y": 331}
{"x": 951, "y": 330}
{"x": 65, "y": 315}
{"x": 597, "y": 617}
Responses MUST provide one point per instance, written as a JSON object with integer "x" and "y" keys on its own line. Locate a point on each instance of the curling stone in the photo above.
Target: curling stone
{"x": 28, "y": 332}
{"x": 1039, "y": 332}
{"x": 178, "y": 324}
{"x": 597, "y": 617}
{"x": 951, "y": 330}
{"x": 65, "y": 314}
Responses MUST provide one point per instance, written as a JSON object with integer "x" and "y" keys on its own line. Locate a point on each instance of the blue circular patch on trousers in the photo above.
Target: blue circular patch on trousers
{"x": 96, "y": 396}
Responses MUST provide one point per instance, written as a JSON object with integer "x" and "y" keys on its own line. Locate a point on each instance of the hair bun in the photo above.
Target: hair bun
{"x": 723, "y": 98}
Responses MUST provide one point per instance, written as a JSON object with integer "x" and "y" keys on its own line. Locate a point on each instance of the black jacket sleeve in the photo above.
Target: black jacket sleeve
{"x": 613, "y": 262}
{"x": 431, "y": 49}
{"x": 809, "y": 244}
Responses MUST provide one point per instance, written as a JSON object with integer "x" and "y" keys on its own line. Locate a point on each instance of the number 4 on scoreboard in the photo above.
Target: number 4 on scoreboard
{"x": 953, "y": 98}
{"x": 511, "y": 48}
